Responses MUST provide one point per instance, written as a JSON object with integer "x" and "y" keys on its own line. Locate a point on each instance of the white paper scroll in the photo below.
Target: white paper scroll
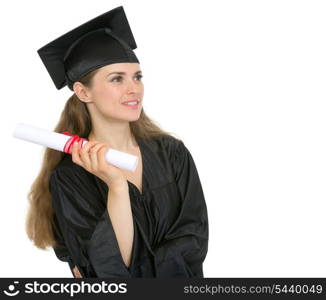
{"x": 57, "y": 141}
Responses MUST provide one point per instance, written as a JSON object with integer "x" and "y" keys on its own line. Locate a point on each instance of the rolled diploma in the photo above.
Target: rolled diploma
{"x": 57, "y": 141}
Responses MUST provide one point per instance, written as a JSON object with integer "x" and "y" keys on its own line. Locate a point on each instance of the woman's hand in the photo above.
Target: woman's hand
{"x": 92, "y": 157}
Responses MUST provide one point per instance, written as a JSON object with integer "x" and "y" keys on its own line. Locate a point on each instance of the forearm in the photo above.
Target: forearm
{"x": 120, "y": 213}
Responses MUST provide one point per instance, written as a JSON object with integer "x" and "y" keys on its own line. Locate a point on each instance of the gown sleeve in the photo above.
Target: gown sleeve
{"x": 185, "y": 244}
{"x": 88, "y": 239}
{"x": 60, "y": 249}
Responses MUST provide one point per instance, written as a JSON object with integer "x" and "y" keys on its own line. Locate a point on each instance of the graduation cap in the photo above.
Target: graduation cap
{"x": 104, "y": 40}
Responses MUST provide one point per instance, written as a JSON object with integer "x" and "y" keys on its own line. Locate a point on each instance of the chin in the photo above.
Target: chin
{"x": 134, "y": 119}
{"x": 131, "y": 116}
{"x": 128, "y": 118}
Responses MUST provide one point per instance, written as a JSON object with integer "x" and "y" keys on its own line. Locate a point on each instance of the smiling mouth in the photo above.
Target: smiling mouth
{"x": 132, "y": 104}
{"x": 131, "y": 101}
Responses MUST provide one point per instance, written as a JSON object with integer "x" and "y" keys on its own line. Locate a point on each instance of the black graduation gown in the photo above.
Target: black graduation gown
{"x": 170, "y": 216}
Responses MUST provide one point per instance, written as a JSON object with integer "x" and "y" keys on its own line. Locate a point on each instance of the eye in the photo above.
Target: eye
{"x": 139, "y": 76}
{"x": 117, "y": 77}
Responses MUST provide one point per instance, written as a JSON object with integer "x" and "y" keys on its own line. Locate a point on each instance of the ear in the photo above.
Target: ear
{"x": 82, "y": 92}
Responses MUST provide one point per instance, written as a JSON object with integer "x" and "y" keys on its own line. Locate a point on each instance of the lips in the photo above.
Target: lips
{"x": 133, "y": 100}
{"x": 133, "y": 104}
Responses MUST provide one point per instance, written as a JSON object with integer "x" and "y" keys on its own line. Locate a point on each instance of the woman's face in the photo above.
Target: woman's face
{"x": 114, "y": 84}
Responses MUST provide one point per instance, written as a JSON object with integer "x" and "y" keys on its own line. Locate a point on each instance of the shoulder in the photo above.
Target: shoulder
{"x": 69, "y": 172}
{"x": 66, "y": 165}
{"x": 170, "y": 148}
{"x": 71, "y": 183}
{"x": 167, "y": 143}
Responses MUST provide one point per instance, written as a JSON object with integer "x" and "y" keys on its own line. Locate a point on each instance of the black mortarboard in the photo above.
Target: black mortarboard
{"x": 104, "y": 40}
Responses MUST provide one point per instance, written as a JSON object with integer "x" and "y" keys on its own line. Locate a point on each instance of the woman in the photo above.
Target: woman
{"x": 102, "y": 220}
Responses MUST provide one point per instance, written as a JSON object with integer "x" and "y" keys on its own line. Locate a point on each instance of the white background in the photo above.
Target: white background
{"x": 242, "y": 83}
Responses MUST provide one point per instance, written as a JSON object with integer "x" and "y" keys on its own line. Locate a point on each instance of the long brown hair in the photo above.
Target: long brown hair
{"x": 76, "y": 119}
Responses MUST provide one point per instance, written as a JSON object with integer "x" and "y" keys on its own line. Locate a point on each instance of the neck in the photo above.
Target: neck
{"x": 117, "y": 134}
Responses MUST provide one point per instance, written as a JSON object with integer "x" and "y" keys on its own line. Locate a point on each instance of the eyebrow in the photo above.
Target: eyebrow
{"x": 123, "y": 73}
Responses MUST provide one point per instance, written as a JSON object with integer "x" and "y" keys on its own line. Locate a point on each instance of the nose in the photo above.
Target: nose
{"x": 132, "y": 86}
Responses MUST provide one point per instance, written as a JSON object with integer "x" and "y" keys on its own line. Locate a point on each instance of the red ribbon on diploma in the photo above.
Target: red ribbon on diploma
{"x": 70, "y": 142}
